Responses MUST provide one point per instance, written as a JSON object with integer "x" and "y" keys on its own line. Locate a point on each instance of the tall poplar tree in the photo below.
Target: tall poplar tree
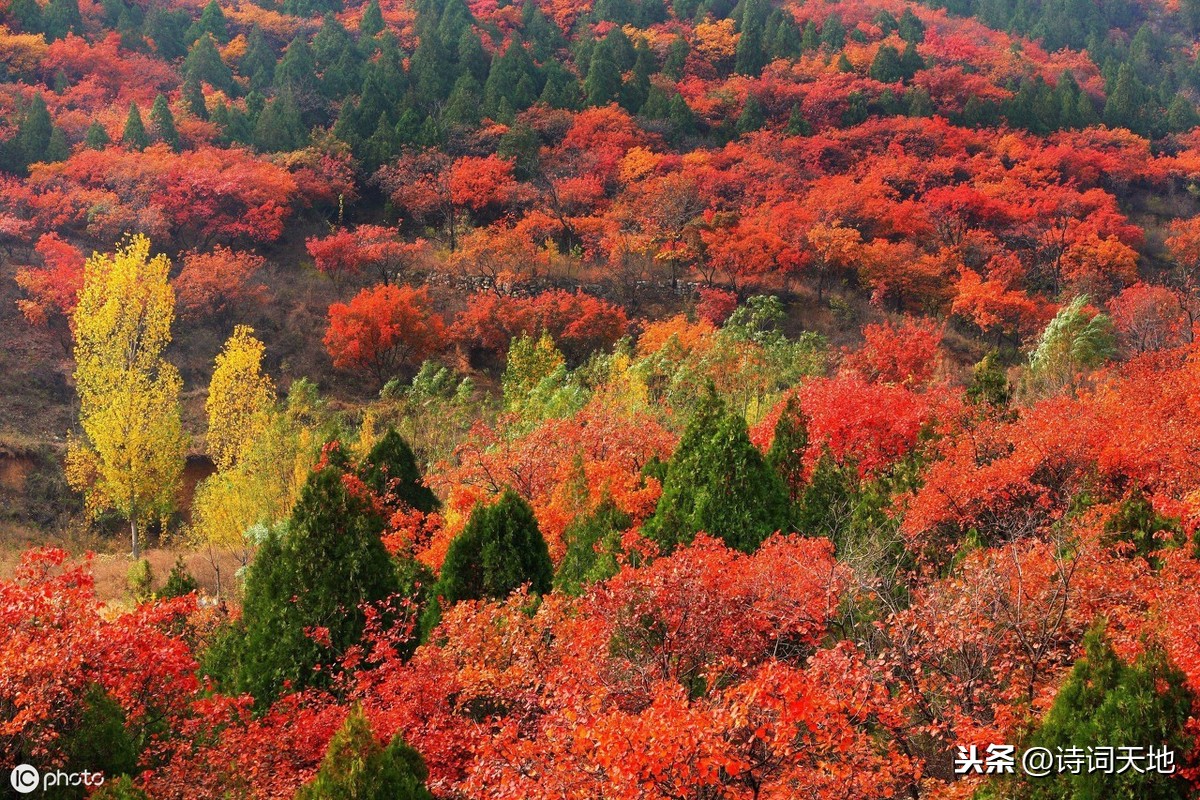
{"x": 131, "y": 451}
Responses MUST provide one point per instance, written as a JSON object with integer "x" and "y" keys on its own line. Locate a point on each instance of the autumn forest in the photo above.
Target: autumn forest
{"x": 599, "y": 399}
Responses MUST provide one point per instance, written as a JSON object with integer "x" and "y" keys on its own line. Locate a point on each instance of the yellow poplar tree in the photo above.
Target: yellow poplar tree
{"x": 260, "y": 486}
{"x": 131, "y": 453}
{"x": 240, "y": 399}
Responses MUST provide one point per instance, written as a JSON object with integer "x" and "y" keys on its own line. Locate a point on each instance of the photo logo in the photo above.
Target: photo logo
{"x": 24, "y": 778}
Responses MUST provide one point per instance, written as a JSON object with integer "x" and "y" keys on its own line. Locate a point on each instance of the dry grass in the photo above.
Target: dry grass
{"x": 110, "y": 569}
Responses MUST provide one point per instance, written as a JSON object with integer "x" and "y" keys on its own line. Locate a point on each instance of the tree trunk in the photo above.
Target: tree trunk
{"x": 134, "y": 535}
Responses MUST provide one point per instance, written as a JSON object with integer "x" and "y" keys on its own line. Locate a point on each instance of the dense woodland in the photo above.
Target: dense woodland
{"x": 615, "y": 399}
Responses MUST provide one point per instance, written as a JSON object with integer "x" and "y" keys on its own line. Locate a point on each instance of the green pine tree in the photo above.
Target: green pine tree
{"x": 60, "y": 18}
{"x": 193, "y": 98}
{"x": 1127, "y": 102}
{"x": 391, "y": 470}
{"x": 280, "y": 127}
{"x": 357, "y": 767}
{"x": 57, "y": 148}
{"x": 371, "y": 23}
{"x": 684, "y": 121}
{"x": 562, "y": 89}
{"x": 212, "y": 21}
{"x": 783, "y": 40}
{"x": 96, "y": 138}
{"x": 500, "y": 549}
{"x": 885, "y": 67}
{"x": 603, "y": 83}
{"x": 319, "y": 571}
{"x": 718, "y": 482}
{"x": 163, "y": 123}
{"x": 826, "y": 501}
{"x": 27, "y": 14}
{"x": 910, "y": 62}
{"x": 204, "y": 64}
{"x": 34, "y": 131}
{"x": 297, "y": 70}
{"x": 336, "y": 59}
{"x": 593, "y": 543}
{"x": 910, "y": 27}
{"x": 168, "y": 31}
{"x": 258, "y": 62}
{"x": 179, "y": 582}
{"x": 918, "y": 101}
{"x": 135, "y": 135}
{"x": 1106, "y": 702}
{"x": 752, "y": 117}
{"x": 833, "y": 33}
{"x": 1181, "y": 115}
{"x": 810, "y": 38}
{"x": 788, "y": 447}
{"x": 98, "y": 741}
{"x": 513, "y": 77}
{"x": 797, "y": 125}
{"x": 676, "y": 60}
{"x": 751, "y": 54}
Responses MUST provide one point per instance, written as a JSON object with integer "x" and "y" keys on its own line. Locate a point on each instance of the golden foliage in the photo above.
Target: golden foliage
{"x": 240, "y": 399}
{"x": 131, "y": 453}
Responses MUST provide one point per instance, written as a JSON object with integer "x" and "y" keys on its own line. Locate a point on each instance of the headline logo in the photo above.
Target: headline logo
{"x": 26, "y": 779}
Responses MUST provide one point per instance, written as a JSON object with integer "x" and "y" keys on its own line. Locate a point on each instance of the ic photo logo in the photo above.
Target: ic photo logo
{"x": 25, "y": 778}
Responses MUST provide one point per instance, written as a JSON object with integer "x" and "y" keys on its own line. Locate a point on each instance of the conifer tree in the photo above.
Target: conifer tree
{"x": 1181, "y": 115}
{"x": 593, "y": 542}
{"x": 193, "y": 97}
{"x": 514, "y": 78}
{"x": 752, "y": 117}
{"x": 163, "y": 123}
{"x": 603, "y": 83}
{"x": 1126, "y": 104}
{"x": 297, "y": 70}
{"x": 911, "y": 28}
{"x": 783, "y": 37}
{"x": 910, "y": 62}
{"x": 134, "y": 134}
{"x": 885, "y": 67}
{"x": 167, "y": 30}
{"x": 212, "y": 21}
{"x": 34, "y": 131}
{"x": 499, "y": 550}
{"x": 788, "y": 446}
{"x": 357, "y": 767}
{"x": 718, "y": 482}
{"x": 833, "y": 33}
{"x": 258, "y": 62}
{"x": 60, "y": 18}
{"x": 750, "y": 55}
{"x": 371, "y": 23}
{"x": 797, "y": 125}
{"x": 676, "y": 59}
{"x": 327, "y": 562}
{"x": 57, "y": 149}
{"x": 810, "y": 38}
{"x": 96, "y": 137}
{"x": 391, "y": 470}
{"x": 1106, "y": 702}
{"x": 684, "y": 121}
{"x": 27, "y": 14}
{"x": 203, "y": 63}
{"x": 280, "y": 126}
